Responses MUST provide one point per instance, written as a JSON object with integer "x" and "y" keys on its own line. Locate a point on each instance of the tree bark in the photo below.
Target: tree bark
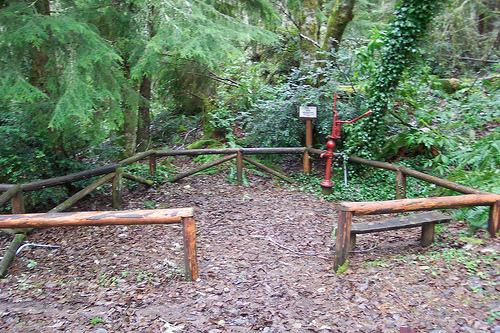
{"x": 144, "y": 119}
{"x": 308, "y": 26}
{"x": 340, "y": 16}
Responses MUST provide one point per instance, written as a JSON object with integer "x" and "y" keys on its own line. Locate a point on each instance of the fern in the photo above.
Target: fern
{"x": 476, "y": 217}
{"x": 483, "y": 155}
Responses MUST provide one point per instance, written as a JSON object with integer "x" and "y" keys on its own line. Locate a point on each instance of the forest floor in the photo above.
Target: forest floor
{"x": 265, "y": 254}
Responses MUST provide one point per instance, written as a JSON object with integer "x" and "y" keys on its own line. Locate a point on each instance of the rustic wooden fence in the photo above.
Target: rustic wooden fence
{"x": 115, "y": 172}
{"x": 17, "y": 224}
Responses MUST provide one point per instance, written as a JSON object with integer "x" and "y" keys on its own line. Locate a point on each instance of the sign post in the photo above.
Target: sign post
{"x": 308, "y": 112}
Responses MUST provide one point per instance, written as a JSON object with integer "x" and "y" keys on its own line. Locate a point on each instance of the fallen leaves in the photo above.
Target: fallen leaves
{"x": 265, "y": 265}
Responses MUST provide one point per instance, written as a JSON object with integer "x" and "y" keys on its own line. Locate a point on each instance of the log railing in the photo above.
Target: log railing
{"x": 115, "y": 172}
{"x": 183, "y": 216}
{"x": 347, "y": 210}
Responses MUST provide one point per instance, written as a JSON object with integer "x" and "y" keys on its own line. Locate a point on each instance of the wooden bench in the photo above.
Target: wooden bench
{"x": 347, "y": 210}
{"x": 425, "y": 220}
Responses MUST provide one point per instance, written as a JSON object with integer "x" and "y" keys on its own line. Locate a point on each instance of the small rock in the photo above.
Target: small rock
{"x": 101, "y": 330}
{"x": 480, "y": 325}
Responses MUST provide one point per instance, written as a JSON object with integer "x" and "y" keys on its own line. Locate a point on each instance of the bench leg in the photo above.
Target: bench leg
{"x": 190, "y": 261}
{"x": 427, "y": 234}
{"x": 342, "y": 243}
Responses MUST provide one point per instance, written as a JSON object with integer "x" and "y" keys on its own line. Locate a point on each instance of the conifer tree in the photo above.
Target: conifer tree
{"x": 80, "y": 69}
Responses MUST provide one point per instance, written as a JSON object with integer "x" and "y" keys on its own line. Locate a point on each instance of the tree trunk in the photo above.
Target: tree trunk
{"x": 340, "y": 16}
{"x": 144, "y": 120}
{"x": 127, "y": 134}
{"x": 309, "y": 28}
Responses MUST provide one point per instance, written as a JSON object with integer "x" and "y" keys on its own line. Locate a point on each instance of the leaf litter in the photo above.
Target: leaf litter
{"x": 265, "y": 256}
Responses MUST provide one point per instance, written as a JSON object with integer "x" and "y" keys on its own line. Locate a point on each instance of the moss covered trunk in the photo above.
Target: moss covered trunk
{"x": 340, "y": 16}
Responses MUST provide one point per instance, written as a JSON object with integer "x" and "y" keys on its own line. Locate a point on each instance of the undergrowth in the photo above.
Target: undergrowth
{"x": 372, "y": 185}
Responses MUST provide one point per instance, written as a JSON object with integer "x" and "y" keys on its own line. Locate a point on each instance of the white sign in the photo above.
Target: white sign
{"x": 308, "y": 111}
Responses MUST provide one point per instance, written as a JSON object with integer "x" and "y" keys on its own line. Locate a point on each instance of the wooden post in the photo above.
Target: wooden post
{"x": 343, "y": 235}
{"x": 427, "y": 236}
{"x": 152, "y": 164}
{"x": 494, "y": 220}
{"x": 118, "y": 189}
{"x": 400, "y": 184}
{"x": 239, "y": 167}
{"x": 189, "y": 234}
{"x": 11, "y": 253}
{"x": 17, "y": 202}
{"x": 309, "y": 142}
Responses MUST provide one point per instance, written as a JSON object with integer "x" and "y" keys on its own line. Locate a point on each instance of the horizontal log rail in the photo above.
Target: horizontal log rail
{"x": 419, "y": 175}
{"x": 45, "y": 183}
{"x": 419, "y": 204}
{"x": 347, "y": 210}
{"x": 9, "y": 194}
{"x": 183, "y": 216}
{"x": 153, "y": 154}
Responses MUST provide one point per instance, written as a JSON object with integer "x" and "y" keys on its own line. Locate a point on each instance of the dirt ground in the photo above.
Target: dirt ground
{"x": 265, "y": 255}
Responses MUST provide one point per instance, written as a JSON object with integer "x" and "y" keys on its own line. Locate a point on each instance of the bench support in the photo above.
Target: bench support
{"x": 343, "y": 238}
{"x": 427, "y": 236}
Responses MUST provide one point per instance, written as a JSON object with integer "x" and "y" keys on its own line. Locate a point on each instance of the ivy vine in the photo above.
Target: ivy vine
{"x": 410, "y": 24}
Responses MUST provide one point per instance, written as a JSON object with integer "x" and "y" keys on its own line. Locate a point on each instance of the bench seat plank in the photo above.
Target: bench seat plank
{"x": 410, "y": 221}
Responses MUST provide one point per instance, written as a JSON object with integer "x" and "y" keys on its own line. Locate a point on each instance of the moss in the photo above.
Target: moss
{"x": 202, "y": 144}
{"x": 343, "y": 268}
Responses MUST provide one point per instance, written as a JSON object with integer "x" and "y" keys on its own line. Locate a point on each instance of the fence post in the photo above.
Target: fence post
{"x": 239, "y": 167}
{"x": 118, "y": 189}
{"x": 189, "y": 235}
{"x": 400, "y": 184}
{"x": 342, "y": 243}
{"x": 152, "y": 164}
{"x": 17, "y": 203}
{"x": 309, "y": 142}
{"x": 494, "y": 220}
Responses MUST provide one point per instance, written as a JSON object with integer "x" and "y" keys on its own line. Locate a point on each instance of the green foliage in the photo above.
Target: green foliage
{"x": 483, "y": 154}
{"x": 57, "y": 62}
{"x": 96, "y": 320}
{"x": 171, "y": 126}
{"x": 202, "y": 144}
{"x": 343, "y": 268}
{"x": 373, "y": 185}
{"x": 410, "y": 23}
{"x": 275, "y": 122}
{"x": 466, "y": 29}
{"x": 73, "y": 68}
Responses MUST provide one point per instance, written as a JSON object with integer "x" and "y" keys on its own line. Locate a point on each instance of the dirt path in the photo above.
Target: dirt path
{"x": 265, "y": 257}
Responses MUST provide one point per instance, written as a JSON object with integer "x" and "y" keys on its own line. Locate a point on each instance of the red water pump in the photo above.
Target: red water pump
{"x": 330, "y": 145}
